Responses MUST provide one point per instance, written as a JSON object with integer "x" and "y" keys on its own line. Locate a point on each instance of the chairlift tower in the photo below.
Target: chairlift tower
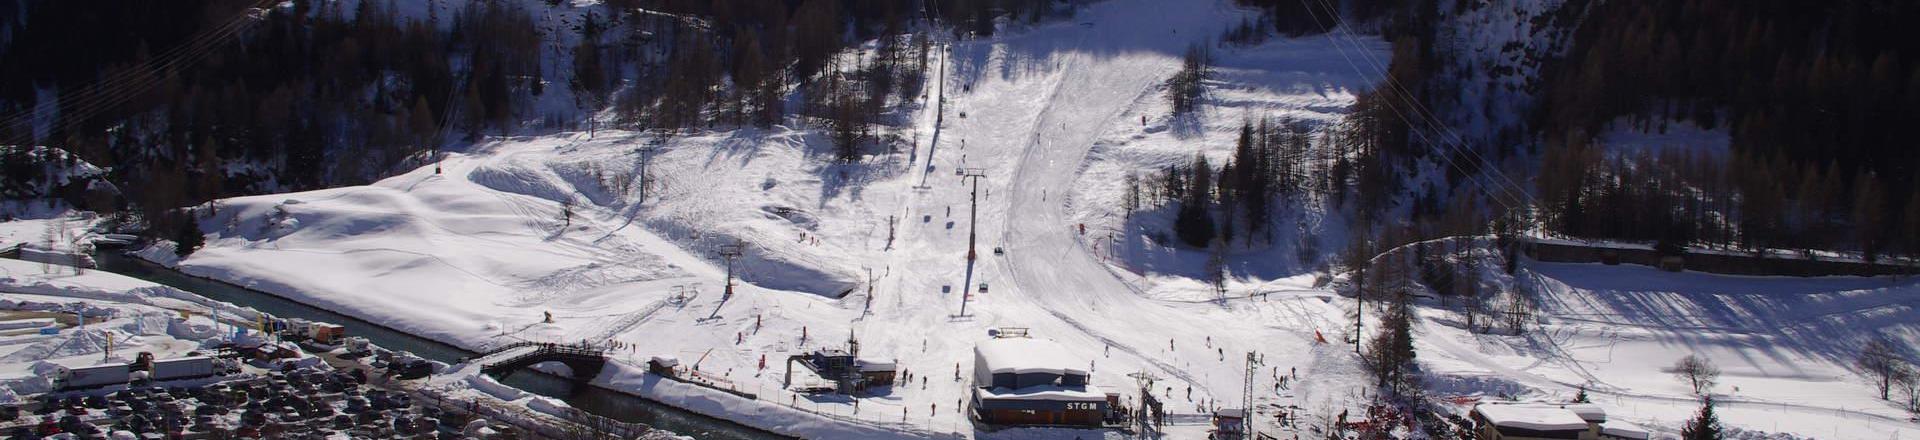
{"x": 731, "y": 252}
{"x": 974, "y": 204}
{"x": 1143, "y": 416}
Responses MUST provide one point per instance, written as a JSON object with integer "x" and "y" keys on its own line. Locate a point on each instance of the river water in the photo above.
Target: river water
{"x": 611, "y": 404}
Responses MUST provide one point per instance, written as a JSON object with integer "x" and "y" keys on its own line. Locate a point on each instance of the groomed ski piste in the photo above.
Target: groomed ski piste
{"x": 478, "y": 249}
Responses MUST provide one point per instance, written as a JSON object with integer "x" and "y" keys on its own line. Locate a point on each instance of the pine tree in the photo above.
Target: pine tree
{"x": 1705, "y": 426}
{"x": 1391, "y": 352}
{"x": 187, "y": 237}
{"x": 1194, "y": 224}
{"x": 1869, "y": 214}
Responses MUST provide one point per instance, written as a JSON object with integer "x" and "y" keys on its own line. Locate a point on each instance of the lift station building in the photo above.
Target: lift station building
{"x": 1024, "y": 381}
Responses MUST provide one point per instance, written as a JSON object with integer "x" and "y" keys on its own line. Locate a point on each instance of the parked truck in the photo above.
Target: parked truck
{"x": 312, "y": 332}
{"x": 323, "y": 333}
{"x": 72, "y": 378}
{"x": 191, "y": 367}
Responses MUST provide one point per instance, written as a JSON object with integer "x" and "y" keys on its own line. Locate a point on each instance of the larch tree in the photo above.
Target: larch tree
{"x": 1869, "y": 215}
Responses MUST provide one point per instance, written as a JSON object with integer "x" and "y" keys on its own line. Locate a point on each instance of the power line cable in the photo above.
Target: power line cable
{"x": 82, "y": 104}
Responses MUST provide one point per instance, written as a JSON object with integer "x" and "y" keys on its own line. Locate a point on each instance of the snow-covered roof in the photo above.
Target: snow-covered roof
{"x": 1532, "y": 416}
{"x": 101, "y": 367}
{"x": 1028, "y": 355}
{"x": 1230, "y": 412}
{"x": 1589, "y": 412}
{"x": 873, "y": 365}
{"x": 1088, "y": 393}
{"x": 182, "y": 359}
{"x": 666, "y": 361}
{"x": 1625, "y": 430}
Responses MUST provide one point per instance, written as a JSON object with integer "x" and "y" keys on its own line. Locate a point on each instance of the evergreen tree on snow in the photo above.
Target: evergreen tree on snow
{"x": 1705, "y": 426}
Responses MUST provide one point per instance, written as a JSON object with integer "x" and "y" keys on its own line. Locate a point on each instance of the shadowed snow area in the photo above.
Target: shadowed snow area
{"x": 1786, "y": 346}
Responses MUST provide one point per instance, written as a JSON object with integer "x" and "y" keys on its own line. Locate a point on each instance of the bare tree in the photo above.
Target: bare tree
{"x": 1697, "y": 372}
{"x": 76, "y": 254}
{"x": 1881, "y": 363}
{"x": 1473, "y": 306}
{"x": 1519, "y": 310}
{"x": 50, "y": 239}
{"x": 1908, "y": 382}
{"x": 1131, "y": 200}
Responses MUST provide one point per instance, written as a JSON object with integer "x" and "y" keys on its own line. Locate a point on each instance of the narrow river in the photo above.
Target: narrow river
{"x": 612, "y": 404}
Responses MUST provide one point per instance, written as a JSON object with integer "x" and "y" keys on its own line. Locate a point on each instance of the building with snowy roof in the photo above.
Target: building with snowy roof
{"x": 1534, "y": 420}
{"x": 1027, "y": 381}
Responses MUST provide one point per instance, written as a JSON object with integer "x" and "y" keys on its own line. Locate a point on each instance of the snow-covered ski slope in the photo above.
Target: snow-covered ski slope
{"x": 481, "y": 251}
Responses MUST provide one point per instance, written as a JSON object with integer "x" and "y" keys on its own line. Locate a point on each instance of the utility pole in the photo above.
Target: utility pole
{"x": 731, "y": 252}
{"x": 1359, "y": 310}
{"x": 644, "y": 152}
{"x": 973, "y": 224}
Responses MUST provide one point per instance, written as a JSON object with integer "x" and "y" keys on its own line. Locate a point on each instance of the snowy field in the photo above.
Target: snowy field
{"x": 124, "y": 316}
{"x": 479, "y": 249}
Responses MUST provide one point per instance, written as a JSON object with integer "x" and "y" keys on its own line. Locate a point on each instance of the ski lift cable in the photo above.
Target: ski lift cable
{"x": 126, "y": 86}
{"x": 1428, "y": 115}
{"x": 1508, "y": 199}
{"x": 1453, "y": 141}
{"x": 1507, "y": 190}
{"x": 155, "y": 64}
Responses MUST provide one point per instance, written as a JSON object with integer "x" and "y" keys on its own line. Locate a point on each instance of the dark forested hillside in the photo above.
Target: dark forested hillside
{"x": 1813, "y": 97}
{"x": 192, "y": 100}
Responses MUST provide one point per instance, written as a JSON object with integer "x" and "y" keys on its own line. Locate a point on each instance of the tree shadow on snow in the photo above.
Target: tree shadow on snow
{"x": 1781, "y": 318}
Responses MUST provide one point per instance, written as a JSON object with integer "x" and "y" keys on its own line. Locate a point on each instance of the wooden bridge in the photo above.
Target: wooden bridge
{"x": 585, "y": 360}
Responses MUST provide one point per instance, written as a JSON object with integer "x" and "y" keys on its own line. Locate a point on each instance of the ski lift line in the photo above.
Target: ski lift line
{"x": 125, "y": 86}
{"x": 1427, "y": 114}
{"x": 1509, "y": 199}
{"x": 1446, "y": 158}
{"x": 171, "y": 54}
{"x": 1453, "y": 141}
{"x": 446, "y": 116}
{"x": 108, "y": 97}
{"x": 1428, "y": 117}
{"x": 100, "y": 98}
{"x": 1417, "y": 108}
{"x": 1417, "y": 133}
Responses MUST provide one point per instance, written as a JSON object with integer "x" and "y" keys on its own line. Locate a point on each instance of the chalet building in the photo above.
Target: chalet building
{"x": 875, "y": 373}
{"x": 1229, "y": 424}
{"x": 1549, "y": 421}
{"x": 1033, "y": 382}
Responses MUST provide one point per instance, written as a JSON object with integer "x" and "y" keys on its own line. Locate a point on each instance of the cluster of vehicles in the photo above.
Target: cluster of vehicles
{"x": 143, "y": 370}
{"x": 303, "y": 403}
